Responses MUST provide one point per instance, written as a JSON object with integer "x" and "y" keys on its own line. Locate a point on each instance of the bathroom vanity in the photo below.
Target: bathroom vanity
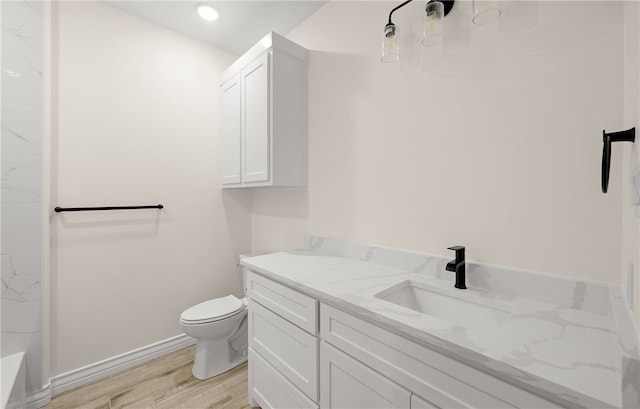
{"x": 343, "y": 325}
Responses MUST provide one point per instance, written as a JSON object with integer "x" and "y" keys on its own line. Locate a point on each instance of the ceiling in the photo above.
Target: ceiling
{"x": 241, "y": 23}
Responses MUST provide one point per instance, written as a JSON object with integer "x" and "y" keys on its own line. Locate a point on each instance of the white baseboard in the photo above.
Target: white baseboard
{"x": 100, "y": 370}
{"x": 39, "y": 398}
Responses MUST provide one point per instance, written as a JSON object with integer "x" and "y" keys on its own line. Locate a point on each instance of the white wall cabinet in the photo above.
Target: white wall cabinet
{"x": 264, "y": 117}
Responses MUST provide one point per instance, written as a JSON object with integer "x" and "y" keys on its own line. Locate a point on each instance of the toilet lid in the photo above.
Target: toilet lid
{"x": 213, "y": 310}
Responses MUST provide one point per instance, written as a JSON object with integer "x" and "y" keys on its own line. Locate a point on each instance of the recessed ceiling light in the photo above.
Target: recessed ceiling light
{"x": 207, "y": 12}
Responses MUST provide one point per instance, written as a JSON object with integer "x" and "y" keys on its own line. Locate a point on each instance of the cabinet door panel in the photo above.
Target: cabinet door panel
{"x": 231, "y": 132}
{"x": 289, "y": 349}
{"x": 272, "y": 390}
{"x": 289, "y": 304}
{"x": 348, "y": 384}
{"x": 256, "y": 95}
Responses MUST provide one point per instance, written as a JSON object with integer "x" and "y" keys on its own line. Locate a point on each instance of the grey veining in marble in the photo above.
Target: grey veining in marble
{"x": 20, "y": 279}
{"x": 568, "y": 340}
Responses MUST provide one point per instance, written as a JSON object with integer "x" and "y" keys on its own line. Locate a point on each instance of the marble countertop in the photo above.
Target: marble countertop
{"x": 567, "y": 339}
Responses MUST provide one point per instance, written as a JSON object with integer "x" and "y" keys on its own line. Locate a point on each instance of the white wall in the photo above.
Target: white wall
{"x": 500, "y": 152}
{"x": 136, "y": 123}
{"x": 631, "y": 213}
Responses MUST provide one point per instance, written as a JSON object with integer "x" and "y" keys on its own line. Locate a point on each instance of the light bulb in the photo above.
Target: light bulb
{"x": 390, "y": 51}
{"x": 207, "y": 12}
{"x": 433, "y": 24}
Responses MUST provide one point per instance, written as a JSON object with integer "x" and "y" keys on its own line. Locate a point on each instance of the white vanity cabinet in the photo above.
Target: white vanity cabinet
{"x": 303, "y": 354}
{"x": 434, "y": 380}
{"x": 283, "y": 345}
{"x": 264, "y": 116}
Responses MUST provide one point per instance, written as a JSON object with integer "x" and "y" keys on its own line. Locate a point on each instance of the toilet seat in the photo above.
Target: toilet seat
{"x": 212, "y": 310}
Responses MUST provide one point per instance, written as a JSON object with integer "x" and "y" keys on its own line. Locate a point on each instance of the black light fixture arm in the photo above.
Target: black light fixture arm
{"x": 396, "y": 8}
{"x": 448, "y": 5}
{"x": 607, "y": 138}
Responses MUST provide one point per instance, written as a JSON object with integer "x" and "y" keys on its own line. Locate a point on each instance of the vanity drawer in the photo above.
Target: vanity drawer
{"x": 272, "y": 390}
{"x": 289, "y": 304}
{"x": 443, "y": 381}
{"x": 290, "y": 350}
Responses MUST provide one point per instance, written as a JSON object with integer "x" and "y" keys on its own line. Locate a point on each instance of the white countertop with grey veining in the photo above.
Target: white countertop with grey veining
{"x": 570, "y": 341}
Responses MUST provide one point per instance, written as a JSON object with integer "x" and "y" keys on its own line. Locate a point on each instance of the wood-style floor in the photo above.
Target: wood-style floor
{"x": 164, "y": 383}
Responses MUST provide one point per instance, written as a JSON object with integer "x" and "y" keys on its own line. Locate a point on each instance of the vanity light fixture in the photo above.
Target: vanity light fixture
{"x": 207, "y": 12}
{"x": 432, "y": 28}
{"x": 484, "y": 11}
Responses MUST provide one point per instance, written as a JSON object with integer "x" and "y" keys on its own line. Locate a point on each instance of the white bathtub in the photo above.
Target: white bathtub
{"x": 12, "y": 388}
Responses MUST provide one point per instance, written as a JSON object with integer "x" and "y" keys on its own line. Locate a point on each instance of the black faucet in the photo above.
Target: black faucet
{"x": 458, "y": 266}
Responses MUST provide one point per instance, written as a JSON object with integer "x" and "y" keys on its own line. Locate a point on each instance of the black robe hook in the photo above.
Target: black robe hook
{"x": 622, "y": 136}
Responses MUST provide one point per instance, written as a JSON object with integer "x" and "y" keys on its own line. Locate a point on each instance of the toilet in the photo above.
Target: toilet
{"x": 220, "y": 329}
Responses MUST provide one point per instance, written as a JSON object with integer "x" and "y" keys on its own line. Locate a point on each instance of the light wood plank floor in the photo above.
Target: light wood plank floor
{"x": 163, "y": 383}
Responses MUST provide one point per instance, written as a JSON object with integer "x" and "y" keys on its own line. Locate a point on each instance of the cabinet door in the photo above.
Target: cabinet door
{"x": 256, "y": 101}
{"x": 289, "y": 349}
{"x": 231, "y": 132}
{"x": 271, "y": 390}
{"x": 348, "y": 384}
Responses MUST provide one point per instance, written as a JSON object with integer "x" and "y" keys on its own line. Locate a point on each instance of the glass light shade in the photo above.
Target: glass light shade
{"x": 390, "y": 44}
{"x": 485, "y": 11}
{"x": 433, "y": 24}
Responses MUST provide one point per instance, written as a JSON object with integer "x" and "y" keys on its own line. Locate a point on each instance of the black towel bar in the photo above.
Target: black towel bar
{"x": 88, "y": 209}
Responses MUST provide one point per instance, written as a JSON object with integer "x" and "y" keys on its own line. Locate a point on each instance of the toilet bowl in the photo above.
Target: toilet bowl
{"x": 220, "y": 329}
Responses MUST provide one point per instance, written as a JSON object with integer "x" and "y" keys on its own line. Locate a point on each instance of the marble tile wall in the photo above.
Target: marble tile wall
{"x": 21, "y": 182}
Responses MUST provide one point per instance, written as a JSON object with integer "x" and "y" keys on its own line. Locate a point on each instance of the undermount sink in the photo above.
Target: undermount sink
{"x": 454, "y": 306}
